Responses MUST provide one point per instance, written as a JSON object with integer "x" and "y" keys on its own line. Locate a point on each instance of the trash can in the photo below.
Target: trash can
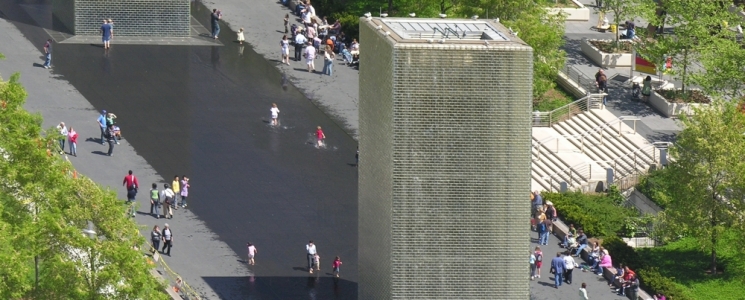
{"x": 613, "y": 28}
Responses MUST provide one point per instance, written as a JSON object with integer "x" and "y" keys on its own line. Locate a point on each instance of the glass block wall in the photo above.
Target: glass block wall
{"x": 444, "y": 169}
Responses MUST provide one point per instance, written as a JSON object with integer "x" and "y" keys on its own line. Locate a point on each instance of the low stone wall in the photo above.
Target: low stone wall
{"x": 670, "y": 109}
{"x": 606, "y": 60}
{"x": 570, "y": 85}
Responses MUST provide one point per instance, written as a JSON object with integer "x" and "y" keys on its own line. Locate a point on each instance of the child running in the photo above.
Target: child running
{"x": 320, "y": 138}
{"x": 336, "y": 265}
{"x": 275, "y": 114}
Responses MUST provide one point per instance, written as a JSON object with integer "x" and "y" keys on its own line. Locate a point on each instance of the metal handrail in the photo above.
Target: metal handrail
{"x": 599, "y": 128}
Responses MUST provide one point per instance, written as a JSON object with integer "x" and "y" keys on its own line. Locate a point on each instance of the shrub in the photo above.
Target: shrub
{"x": 596, "y": 214}
{"x": 655, "y": 186}
{"x": 622, "y": 253}
{"x": 653, "y": 282}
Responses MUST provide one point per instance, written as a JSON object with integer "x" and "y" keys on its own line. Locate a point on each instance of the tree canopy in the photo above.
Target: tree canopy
{"x": 709, "y": 173}
{"x": 43, "y": 209}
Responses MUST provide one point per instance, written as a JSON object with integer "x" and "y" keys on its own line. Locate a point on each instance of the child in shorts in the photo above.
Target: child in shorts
{"x": 336, "y": 265}
{"x": 317, "y": 261}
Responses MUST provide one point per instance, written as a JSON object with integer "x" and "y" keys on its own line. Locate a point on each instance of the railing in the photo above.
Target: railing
{"x": 582, "y": 137}
{"x": 566, "y": 112}
{"x": 580, "y": 78}
{"x": 581, "y": 174}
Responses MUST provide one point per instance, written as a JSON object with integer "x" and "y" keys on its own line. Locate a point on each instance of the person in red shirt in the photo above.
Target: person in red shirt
{"x": 130, "y": 181}
{"x": 320, "y": 137}
{"x": 336, "y": 265}
{"x": 72, "y": 136}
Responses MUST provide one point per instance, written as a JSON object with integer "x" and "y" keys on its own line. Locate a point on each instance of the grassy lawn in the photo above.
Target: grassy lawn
{"x": 553, "y": 99}
{"x": 685, "y": 262}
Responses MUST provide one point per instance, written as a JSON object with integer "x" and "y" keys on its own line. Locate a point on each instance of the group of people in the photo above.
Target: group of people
{"x": 109, "y": 132}
{"x": 172, "y": 197}
{"x": 314, "y": 260}
{"x": 165, "y": 236}
{"x": 69, "y": 135}
{"x": 575, "y": 242}
{"x": 314, "y": 37}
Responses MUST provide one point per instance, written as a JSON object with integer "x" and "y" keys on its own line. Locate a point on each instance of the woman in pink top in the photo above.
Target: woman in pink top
{"x": 184, "y": 190}
{"x": 73, "y": 137}
{"x": 605, "y": 261}
{"x": 320, "y": 137}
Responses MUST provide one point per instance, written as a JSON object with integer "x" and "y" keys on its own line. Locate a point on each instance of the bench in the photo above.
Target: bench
{"x": 560, "y": 230}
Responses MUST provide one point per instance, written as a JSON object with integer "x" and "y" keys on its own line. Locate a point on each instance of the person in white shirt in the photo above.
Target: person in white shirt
{"x": 310, "y": 55}
{"x": 569, "y": 265}
{"x": 583, "y": 292}
{"x": 166, "y": 197}
{"x": 63, "y": 131}
{"x": 251, "y": 253}
{"x": 310, "y": 249}
{"x": 300, "y": 41}
{"x": 275, "y": 114}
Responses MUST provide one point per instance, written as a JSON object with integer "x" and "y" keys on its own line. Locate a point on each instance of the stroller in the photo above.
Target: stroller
{"x": 636, "y": 92}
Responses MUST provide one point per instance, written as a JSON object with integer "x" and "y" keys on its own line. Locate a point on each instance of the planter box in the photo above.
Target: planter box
{"x": 580, "y": 13}
{"x": 606, "y": 60}
{"x": 669, "y": 109}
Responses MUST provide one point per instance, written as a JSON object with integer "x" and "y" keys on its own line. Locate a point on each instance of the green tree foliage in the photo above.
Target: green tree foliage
{"x": 697, "y": 25}
{"x": 625, "y": 10}
{"x": 723, "y": 60}
{"x": 709, "y": 173}
{"x": 43, "y": 209}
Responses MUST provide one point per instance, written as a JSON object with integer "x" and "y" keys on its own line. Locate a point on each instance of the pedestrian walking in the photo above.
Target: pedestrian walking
{"x": 357, "y": 157}
{"x": 166, "y": 197}
{"x": 184, "y": 190}
{"x": 285, "y": 48}
{"x": 300, "y": 42}
{"x": 241, "y": 38}
{"x": 310, "y": 56}
{"x": 155, "y": 237}
{"x": 557, "y": 268}
{"x": 107, "y": 32}
{"x": 130, "y": 181}
{"x": 176, "y": 187}
{"x": 72, "y": 137}
{"x": 167, "y": 240}
{"x": 155, "y": 200}
{"x": 287, "y": 22}
{"x": 583, "y": 292}
{"x": 569, "y": 265}
{"x": 328, "y": 61}
{"x": 320, "y": 138}
{"x": 532, "y": 261}
{"x": 102, "y": 125}
{"x": 215, "y": 21}
{"x": 310, "y": 250}
{"x": 62, "y": 131}
{"x": 275, "y": 114}
{"x": 336, "y": 265}
{"x": 48, "y": 54}
{"x": 251, "y": 253}
{"x": 601, "y": 82}
{"x": 538, "y": 261}
{"x": 111, "y": 139}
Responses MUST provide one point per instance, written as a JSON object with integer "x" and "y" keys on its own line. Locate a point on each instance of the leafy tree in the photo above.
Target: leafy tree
{"x": 624, "y": 10}
{"x": 42, "y": 211}
{"x": 723, "y": 61}
{"x": 697, "y": 24}
{"x": 710, "y": 177}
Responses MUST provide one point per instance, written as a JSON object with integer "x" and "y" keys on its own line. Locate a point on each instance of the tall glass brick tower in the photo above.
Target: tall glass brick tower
{"x": 444, "y": 171}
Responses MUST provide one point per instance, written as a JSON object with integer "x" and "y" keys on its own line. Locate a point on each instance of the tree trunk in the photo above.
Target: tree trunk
{"x": 390, "y": 6}
{"x": 685, "y": 70}
{"x": 714, "y": 238}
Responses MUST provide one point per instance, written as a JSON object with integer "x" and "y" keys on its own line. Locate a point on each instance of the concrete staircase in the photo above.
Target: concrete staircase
{"x": 580, "y": 150}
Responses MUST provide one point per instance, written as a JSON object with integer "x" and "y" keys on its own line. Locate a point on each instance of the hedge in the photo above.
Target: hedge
{"x": 597, "y": 215}
{"x": 649, "y": 277}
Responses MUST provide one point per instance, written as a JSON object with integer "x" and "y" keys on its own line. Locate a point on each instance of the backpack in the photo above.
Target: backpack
{"x": 539, "y": 257}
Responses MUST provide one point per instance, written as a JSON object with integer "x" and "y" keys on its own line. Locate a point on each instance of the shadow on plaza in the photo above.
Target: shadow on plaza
{"x": 319, "y": 287}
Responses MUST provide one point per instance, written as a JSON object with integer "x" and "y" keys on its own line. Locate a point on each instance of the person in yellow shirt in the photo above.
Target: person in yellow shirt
{"x": 176, "y": 190}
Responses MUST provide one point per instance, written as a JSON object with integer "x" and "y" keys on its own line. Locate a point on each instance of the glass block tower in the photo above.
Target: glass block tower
{"x": 445, "y": 161}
